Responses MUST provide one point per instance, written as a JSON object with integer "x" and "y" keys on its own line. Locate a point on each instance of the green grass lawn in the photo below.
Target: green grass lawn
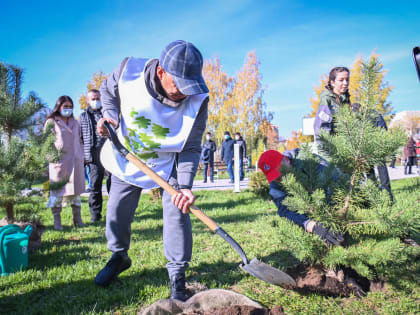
{"x": 59, "y": 279}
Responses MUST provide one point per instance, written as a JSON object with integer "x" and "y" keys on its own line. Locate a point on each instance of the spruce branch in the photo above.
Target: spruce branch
{"x": 359, "y": 223}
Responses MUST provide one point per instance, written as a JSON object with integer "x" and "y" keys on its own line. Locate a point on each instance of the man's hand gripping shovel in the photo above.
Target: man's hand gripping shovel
{"x": 255, "y": 267}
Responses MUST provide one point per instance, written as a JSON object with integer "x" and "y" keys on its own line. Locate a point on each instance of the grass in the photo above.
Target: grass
{"x": 59, "y": 279}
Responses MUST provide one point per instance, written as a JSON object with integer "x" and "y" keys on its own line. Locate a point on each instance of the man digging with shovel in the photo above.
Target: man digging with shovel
{"x": 159, "y": 107}
{"x": 270, "y": 164}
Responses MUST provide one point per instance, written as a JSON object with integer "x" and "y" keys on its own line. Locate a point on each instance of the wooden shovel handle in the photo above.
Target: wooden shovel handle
{"x": 172, "y": 191}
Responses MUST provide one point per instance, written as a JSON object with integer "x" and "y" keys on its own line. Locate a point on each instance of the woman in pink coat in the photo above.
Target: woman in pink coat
{"x": 69, "y": 169}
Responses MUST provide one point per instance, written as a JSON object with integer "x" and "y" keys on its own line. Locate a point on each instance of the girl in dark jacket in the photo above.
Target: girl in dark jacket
{"x": 336, "y": 94}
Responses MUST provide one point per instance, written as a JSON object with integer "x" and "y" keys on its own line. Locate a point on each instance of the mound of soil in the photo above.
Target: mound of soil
{"x": 343, "y": 282}
{"x": 239, "y": 310}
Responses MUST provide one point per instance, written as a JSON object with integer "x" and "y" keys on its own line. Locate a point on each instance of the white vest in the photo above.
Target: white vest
{"x": 152, "y": 131}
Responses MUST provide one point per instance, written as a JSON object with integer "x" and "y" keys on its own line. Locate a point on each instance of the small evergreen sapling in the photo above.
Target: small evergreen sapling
{"x": 351, "y": 202}
{"x": 24, "y": 153}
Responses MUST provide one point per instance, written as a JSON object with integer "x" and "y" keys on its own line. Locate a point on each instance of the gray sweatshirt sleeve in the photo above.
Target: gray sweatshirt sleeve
{"x": 189, "y": 157}
{"x": 109, "y": 93}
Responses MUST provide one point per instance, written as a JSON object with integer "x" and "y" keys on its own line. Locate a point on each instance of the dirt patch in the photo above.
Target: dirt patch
{"x": 239, "y": 310}
{"x": 343, "y": 282}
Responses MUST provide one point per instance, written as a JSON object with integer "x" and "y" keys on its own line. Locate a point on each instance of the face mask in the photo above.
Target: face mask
{"x": 208, "y": 137}
{"x": 237, "y": 138}
{"x": 96, "y": 104}
{"x": 226, "y": 137}
{"x": 66, "y": 112}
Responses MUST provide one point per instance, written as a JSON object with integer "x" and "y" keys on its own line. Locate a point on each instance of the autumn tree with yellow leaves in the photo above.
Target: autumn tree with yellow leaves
{"x": 381, "y": 88}
{"x": 315, "y": 100}
{"x": 220, "y": 87}
{"x": 95, "y": 83}
{"x": 236, "y": 103}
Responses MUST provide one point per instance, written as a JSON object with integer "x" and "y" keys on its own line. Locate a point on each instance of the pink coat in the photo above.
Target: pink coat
{"x": 71, "y": 162}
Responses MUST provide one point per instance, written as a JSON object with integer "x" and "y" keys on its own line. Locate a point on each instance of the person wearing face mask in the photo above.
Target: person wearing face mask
{"x": 159, "y": 110}
{"x": 242, "y": 154}
{"x": 92, "y": 144}
{"x": 228, "y": 154}
{"x": 68, "y": 172}
{"x": 207, "y": 157}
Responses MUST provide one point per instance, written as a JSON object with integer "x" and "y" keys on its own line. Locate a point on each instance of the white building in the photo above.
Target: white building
{"x": 409, "y": 120}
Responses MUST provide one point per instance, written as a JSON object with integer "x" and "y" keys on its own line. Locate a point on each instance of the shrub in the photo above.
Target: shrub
{"x": 258, "y": 184}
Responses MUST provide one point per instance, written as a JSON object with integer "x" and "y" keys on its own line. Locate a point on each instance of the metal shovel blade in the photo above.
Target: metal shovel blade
{"x": 268, "y": 274}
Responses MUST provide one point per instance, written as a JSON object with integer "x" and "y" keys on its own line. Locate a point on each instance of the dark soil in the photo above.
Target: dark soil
{"x": 239, "y": 310}
{"x": 343, "y": 282}
{"x": 310, "y": 279}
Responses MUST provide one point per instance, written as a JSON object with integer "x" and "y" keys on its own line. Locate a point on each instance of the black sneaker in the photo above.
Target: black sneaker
{"x": 118, "y": 263}
{"x": 178, "y": 288}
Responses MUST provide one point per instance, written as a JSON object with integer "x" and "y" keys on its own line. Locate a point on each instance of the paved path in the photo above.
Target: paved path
{"x": 398, "y": 172}
{"x": 223, "y": 184}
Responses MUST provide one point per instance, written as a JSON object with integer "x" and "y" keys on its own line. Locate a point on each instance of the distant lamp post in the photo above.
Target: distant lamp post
{"x": 236, "y": 168}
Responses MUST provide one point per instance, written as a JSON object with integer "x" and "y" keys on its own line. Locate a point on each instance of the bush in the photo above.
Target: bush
{"x": 258, "y": 184}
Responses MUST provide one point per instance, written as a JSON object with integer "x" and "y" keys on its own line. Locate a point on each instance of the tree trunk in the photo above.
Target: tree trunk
{"x": 345, "y": 208}
{"x": 9, "y": 211}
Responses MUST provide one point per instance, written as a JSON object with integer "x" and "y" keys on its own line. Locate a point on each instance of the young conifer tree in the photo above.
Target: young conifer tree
{"x": 344, "y": 198}
{"x": 24, "y": 149}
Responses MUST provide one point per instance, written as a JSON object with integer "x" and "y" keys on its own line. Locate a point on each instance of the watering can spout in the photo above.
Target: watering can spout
{"x": 28, "y": 230}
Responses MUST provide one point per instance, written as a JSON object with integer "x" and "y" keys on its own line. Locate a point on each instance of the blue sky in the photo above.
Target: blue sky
{"x": 61, "y": 44}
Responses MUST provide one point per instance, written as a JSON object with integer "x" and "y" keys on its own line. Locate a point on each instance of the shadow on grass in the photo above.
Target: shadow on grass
{"x": 154, "y": 234}
{"x": 219, "y": 273}
{"x": 57, "y": 258}
{"x": 84, "y": 296}
{"x": 230, "y": 203}
{"x": 410, "y": 186}
{"x": 282, "y": 259}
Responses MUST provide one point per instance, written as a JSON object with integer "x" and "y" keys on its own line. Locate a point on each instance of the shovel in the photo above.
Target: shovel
{"x": 255, "y": 267}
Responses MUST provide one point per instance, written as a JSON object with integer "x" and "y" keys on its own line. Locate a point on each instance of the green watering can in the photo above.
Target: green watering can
{"x": 13, "y": 248}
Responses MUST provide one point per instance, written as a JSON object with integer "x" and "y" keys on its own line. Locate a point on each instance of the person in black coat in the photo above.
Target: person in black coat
{"x": 92, "y": 144}
{"x": 227, "y": 154}
{"x": 207, "y": 156}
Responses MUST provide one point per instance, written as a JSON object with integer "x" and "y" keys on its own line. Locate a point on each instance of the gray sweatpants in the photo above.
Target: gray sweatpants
{"x": 177, "y": 234}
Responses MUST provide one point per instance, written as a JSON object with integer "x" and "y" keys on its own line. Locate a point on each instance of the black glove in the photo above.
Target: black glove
{"x": 329, "y": 237}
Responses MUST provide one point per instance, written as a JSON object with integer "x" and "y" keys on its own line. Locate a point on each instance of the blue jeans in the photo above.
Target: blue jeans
{"x": 278, "y": 195}
{"x": 230, "y": 170}
{"x": 87, "y": 176}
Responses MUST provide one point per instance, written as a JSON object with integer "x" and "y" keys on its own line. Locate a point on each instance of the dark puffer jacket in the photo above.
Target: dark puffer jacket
{"x": 328, "y": 106}
{"x": 227, "y": 150}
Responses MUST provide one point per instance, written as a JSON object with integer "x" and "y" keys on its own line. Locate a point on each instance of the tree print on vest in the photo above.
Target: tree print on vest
{"x": 145, "y": 145}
